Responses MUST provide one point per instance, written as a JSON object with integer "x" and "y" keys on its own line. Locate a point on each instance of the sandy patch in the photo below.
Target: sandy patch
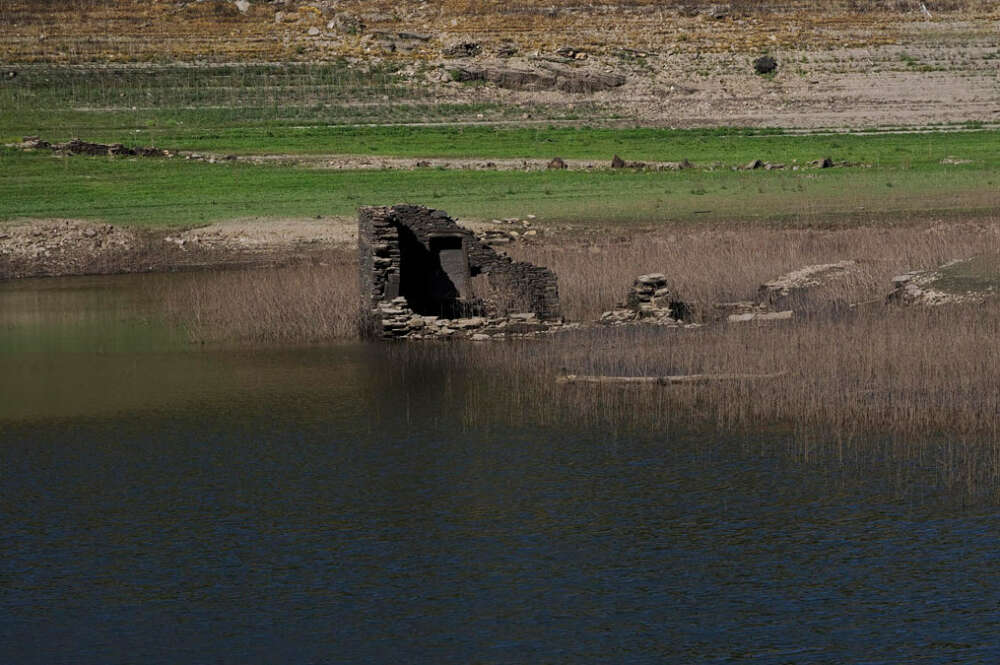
{"x": 263, "y": 232}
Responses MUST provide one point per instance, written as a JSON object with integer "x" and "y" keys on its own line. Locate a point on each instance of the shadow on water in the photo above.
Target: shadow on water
{"x": 365, "y": 503}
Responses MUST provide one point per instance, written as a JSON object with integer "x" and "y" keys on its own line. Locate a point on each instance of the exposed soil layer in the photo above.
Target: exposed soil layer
{"x": 684, "y": 63}
{"x": 47, "y": 248}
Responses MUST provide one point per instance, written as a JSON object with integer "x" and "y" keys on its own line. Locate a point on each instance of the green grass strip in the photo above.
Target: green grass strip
{"x": 166, "y": 192}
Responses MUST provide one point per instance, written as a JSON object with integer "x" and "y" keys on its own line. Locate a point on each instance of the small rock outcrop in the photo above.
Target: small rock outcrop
{"x": 651, "y": 301}
{"x": 463, "y": 50}
{"x": 789, "y": 290}
{"x": 551, "y": 78}
{"x": 970, "y": 280}
{"x": 81, "y": 147}
{"x": 765, "y": 65}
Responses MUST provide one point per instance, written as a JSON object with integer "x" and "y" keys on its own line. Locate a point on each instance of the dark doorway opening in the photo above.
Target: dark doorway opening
{"x": 434, "y": 278}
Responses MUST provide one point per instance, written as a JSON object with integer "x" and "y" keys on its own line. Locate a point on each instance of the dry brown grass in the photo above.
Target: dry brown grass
{"x": 915, "y": 388}
{"x": 725, "y": 263}
{"x": 913, "y": 384}
{"x": 299, "y": 304}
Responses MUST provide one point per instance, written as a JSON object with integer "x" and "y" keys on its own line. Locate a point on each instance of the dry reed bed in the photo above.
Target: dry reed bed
{"x": 724, "y": 263}
{"x": 913, "y": 391}
{"x": 300, "y": 304}
{"x": 916, "y": 383}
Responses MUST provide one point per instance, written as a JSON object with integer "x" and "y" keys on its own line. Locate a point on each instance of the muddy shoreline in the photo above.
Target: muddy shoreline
{"x": 67, "y": 247}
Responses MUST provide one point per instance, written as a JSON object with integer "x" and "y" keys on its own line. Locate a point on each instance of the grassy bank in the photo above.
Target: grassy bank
{"x": 283, "y": 126}
{"x": 161, "y": 192}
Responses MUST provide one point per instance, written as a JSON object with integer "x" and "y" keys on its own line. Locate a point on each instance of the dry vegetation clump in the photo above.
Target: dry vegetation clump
{"x": 299, "y": 304}
{"x": 724, "y": 263}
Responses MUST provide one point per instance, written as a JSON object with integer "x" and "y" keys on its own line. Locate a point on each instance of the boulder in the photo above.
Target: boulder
{"x": 717, "y": 12}
{"x": 617, "y": 162}
{"x": 765, "y": 64}
{"x": 557, "y": 163}
{"x": 463, "y": 50}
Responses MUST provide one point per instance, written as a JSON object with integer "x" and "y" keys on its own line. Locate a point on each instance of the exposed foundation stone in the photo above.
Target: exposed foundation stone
{"x": 423, "y": 275}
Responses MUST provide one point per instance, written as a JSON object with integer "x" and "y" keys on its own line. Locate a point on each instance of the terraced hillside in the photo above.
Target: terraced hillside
{"x": 844, "y": 63}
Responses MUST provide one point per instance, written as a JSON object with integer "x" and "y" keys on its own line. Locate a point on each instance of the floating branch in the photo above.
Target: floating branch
{"x": 683, "y": 379}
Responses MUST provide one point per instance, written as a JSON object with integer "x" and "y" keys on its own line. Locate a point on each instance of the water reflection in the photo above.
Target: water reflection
{"x": 167, "y": 504}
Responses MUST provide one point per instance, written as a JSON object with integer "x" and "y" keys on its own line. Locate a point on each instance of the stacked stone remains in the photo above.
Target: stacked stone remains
{"x": 398, "y": 321}
{"x": 971, "y": 280}
{"x": 649, "y": 301}
{"x": 424, "y": 276}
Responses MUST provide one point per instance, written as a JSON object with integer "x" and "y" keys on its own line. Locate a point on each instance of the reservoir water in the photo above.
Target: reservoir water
{"x": 166, "y": 503}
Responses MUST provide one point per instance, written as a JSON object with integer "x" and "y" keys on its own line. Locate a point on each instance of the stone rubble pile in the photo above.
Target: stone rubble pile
{"x": 61, "y": 247}
{"x": 649, "y": 301}
{"x": 81, "y": 147}
{"x": 401, "y": 322}
{"x": 519, "y": 230}
{"x": 917, "y": 287}
{"x": 783, "y": 291}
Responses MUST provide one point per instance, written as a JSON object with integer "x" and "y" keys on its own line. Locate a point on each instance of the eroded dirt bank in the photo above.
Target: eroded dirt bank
{"x": 60, "y": 247}
{"x": 53, "y": 247}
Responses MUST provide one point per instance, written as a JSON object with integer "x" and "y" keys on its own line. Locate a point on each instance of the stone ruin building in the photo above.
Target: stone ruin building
{"x": 422, "y": 275}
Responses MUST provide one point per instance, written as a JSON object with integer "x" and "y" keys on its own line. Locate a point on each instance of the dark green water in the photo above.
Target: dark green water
{"x": 167, "y": 504}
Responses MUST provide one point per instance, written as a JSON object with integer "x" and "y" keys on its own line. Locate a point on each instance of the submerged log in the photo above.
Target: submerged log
{"x": 681, "y": 379}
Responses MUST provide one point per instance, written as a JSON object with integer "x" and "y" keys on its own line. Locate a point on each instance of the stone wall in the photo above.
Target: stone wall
{"x": 401, "y": 272}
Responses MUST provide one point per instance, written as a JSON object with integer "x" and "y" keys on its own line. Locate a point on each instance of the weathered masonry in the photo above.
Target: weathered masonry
{"x": 418, "y": 266}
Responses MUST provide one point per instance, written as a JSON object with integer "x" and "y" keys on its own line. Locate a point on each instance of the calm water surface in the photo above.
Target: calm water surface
{"x": 167, "y": 504}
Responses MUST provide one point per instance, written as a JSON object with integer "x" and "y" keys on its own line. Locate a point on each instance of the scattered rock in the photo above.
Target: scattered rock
{"x": 414, "y": 36}
{"x": 313, "y": 31}
{"x": 761, "y": 316}
{"x": 10, "y": 75}
{"x": 243, "y": 6}
{"x": 463, "y": 50}
{"x": 717, "y": 12}
{"x": 33, "y": 143}
{"x": 347, "y": 24}
{"x": 529, "y": 79}
{"x": 676, "y": 166}
{"x": 790, "y": 289}
{"x": 557, "y": 163}
{"x": 765, "y": 64}
{"x": 571, "y": 53}
{"x": 81, "y": 147}
{"x": 970, "y": 280}
{"x": 65, "y": 247}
